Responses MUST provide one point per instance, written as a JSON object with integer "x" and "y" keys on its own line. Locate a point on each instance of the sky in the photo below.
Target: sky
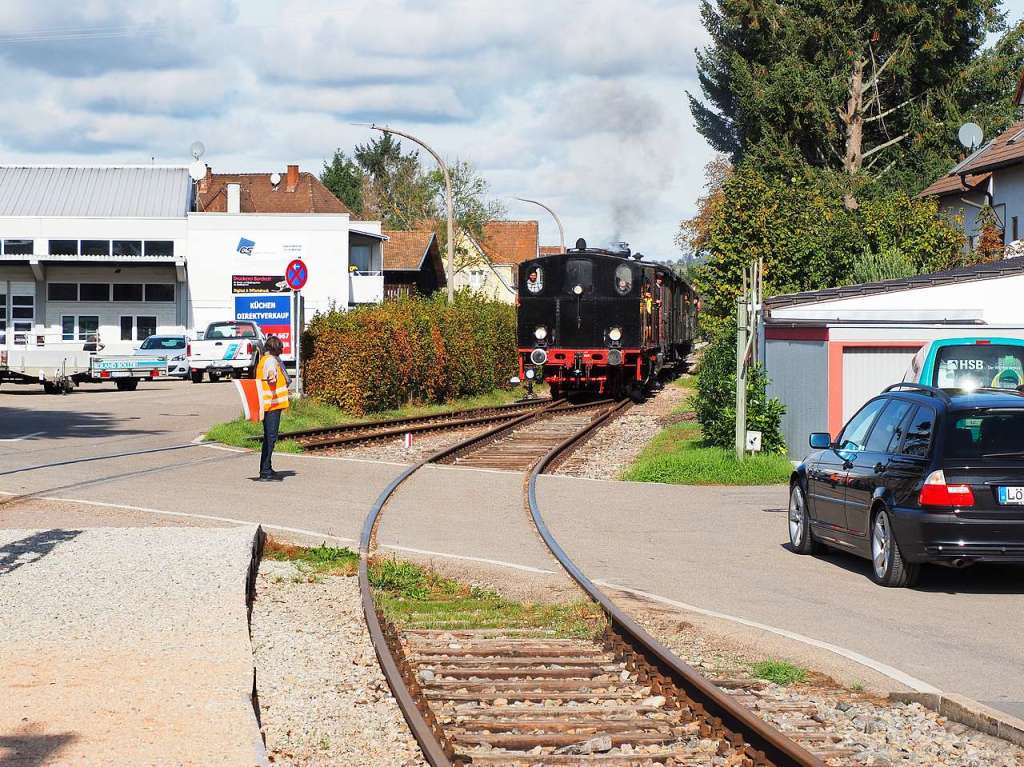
{"x": 581, "y": 105}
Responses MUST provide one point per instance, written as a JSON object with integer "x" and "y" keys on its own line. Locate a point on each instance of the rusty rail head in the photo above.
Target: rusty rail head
{"x": 437, "y": 752}
{"x": 782, "y": 751}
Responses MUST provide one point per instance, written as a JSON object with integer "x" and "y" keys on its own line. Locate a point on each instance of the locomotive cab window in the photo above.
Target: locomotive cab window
{"x": 623, "y": 279}
{"x": 535, "y": 280}
{"x": 579, "y": 276}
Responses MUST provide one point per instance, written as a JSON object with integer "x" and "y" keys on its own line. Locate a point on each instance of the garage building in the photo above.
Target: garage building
{"x": 828, "y": 351}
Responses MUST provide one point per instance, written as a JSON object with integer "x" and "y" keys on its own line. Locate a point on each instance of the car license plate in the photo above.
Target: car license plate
{"x": 1011, "y": 496}
{"x": 120, "y": 373}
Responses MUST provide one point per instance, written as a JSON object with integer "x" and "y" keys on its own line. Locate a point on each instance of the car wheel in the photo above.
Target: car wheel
{"x": 214, "y": 377}
{"x": 888, "y": 567}
{"x": 800, "y": 536}
{"x": 196, "y": 376}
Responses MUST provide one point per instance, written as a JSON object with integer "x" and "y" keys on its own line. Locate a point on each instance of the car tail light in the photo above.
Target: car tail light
{"x": 248, "y": 348}
{"x": 104, "y": 374}
{"x": 188, "y": 350}
{"x": 980, "y": 342}
{"x": 154, "y": 373}
{"x": 935, "y": 492}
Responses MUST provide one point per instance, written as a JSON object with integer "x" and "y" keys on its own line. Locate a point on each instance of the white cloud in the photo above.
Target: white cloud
{"x": 581, "y": 105}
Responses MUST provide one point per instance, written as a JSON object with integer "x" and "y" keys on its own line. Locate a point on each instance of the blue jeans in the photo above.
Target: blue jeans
{"x": 271, "y": 424}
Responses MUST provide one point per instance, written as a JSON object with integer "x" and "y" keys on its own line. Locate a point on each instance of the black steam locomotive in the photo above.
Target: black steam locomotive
{"x": 601, "y": 321}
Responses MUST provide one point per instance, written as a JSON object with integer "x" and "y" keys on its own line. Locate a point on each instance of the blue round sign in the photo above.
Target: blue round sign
{"x": 296, "y": 274}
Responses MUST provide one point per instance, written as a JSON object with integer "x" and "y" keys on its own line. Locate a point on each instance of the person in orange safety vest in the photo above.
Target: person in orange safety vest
{"x": 273, "y": 380}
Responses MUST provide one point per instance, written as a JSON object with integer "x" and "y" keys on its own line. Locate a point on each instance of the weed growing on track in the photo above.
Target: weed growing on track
{"x": 308, "y": 413}
{"x": 778, "y": 671}
{"x": 415, "y": 597}
{"x": 315, "y": 561}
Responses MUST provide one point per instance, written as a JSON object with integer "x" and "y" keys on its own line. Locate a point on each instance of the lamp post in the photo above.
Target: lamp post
{"x": 561, "y": 230}
{"x": 448, "y": 203}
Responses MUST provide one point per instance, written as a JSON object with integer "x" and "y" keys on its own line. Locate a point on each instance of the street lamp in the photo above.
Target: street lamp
{"x": 561, "y": 231}
{"x": 448, "y": 204}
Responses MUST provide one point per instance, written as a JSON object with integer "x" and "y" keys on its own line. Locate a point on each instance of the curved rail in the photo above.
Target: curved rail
{"x": 736, "y": 717}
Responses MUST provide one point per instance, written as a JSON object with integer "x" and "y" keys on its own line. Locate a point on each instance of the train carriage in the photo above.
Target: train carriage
{"x": 601, "y": 321}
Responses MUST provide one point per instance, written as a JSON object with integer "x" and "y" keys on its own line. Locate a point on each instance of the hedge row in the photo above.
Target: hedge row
{"x": 413, "y": 350}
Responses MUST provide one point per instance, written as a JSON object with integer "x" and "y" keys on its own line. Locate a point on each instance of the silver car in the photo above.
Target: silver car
{"x": 171, "y": 347}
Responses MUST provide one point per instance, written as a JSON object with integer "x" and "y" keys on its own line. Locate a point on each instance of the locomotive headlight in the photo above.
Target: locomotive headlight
{"x": 615, "y": 334}
{"x": 540, "y": 333}
{"x": 577, "y": 289}
{"x": 531, "y": 373}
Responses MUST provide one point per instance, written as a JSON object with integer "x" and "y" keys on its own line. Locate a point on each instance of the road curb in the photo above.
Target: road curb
{"x": 959, "y": 708}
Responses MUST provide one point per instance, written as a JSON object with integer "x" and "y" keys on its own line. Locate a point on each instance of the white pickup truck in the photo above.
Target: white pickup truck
{"x": 226, "y": 349}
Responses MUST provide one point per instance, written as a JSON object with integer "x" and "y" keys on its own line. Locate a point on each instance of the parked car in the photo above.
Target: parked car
{"x": 171, "y": 347}
{"x": 918, "y": 475}
{"x": 969, "y": 363}
{"x": 226, "y": 349}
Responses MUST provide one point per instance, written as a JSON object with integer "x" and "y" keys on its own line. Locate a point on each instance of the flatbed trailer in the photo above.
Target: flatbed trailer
{"x": 60, "y": 370}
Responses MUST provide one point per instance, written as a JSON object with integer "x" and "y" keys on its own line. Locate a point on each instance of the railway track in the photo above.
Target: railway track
{"x": 325, "y": 437}
{"x": 522, "y": 696}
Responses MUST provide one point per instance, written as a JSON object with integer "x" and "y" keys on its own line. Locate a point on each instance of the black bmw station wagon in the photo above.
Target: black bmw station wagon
{"x": 918, "y": 475}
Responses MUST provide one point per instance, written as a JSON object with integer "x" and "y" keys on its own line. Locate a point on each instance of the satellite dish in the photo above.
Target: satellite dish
{"x": 197, "y": 149}
{"x": 970, "y": 136}
{"x": 197, "y": 170}
{"x": 275, "y": 178}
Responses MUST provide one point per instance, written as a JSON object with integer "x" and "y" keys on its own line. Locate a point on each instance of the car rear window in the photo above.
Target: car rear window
{"x": 218, "y": 332}
{"x": 974, "y": 366}
{"x": 989, "y": 433}
{"x": 163, "y": 343}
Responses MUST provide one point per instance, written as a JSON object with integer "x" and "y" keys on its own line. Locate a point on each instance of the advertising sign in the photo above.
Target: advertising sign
{"x": 258, "y": 283}
{"x": 273, "y": 313}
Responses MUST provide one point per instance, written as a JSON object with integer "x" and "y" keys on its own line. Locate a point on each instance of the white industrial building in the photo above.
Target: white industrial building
{"x": 122, "y": 253}
{"x": 826, "y": 352}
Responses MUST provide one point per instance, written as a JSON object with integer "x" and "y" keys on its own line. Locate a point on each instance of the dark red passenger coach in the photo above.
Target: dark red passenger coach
{"x": 601, "y": 321}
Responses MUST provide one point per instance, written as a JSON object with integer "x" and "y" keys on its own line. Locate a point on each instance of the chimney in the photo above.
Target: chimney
{"x": 204, "y": 182}
{"x": 292, "y": 182}
{"x": 234, "y": 198}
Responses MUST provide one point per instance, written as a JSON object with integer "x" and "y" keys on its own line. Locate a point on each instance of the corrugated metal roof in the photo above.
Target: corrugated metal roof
{"x": 97, "y": 192}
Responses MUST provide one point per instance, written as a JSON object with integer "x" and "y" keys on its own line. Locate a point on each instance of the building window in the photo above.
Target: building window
{"x": 126, "y": 328}
{"x": 159, "y": 292}
{"x": 359, "y": 257}
{"x": 94, "y": 291}
{"x": 127, "y": 291}
{"x": 62, "y": 291}
{"x": 145, "y": 327}
{"x": 3, "y": 319}
{"x": 67, "y": 327}
{"x": 88, "y": 326}
{"x": 63, "y": 247}
{"x": 95, "y": 247}
{"x": 18, "y": 247}
{"x": 476, "y": 279}
{"x": 22, "y": 317}
{"x": 127, "y": 248}
{"x": 159, "y": 247}
{"x": 1016, "y": 233}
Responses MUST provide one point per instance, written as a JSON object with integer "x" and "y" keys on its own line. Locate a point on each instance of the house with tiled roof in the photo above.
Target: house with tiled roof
{"x": 412, "y": 263}
{"x": 490, "y": 265}
{"x": 294, "y": 191}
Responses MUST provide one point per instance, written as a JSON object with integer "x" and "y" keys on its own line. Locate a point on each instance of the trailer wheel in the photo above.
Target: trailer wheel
{"x": 214, "y": 377}
{"x": 196, "y": 376}
{"x": 127, "y": 385}
{"x": 50, "y": 387}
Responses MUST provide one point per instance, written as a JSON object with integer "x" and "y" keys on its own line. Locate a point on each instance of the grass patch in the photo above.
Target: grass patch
{"x": 307, "y": 413}
{"x": 412, "y": 596}
{"x": 778, "y": 671}
{"x": 677, "y": 456}
{"x": 316, "y": 560}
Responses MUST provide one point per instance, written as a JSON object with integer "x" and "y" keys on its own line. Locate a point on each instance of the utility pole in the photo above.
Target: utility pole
{"x": 561, "y": 230}
{"x": 748, "y": 307}
{"x": 449, "y": 204}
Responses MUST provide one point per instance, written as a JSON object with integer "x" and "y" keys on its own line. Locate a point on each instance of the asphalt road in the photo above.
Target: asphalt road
{"x": 719, "y": 549}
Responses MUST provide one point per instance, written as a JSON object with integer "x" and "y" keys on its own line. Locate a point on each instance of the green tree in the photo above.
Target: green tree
{"x": 343, "y": 176}
{"x": 397, "y": 190}
{"x": 845, "y": 83}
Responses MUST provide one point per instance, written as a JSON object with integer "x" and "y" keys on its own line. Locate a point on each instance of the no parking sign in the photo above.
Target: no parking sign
{"x": 296, "y": 274}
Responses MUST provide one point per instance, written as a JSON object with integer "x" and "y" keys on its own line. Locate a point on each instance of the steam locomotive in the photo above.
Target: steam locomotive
{"x": 601, "y": 321}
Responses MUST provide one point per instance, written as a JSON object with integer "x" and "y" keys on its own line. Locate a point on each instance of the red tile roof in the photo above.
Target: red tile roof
{"x": 550, "y": 250}
{"x": 258, "y": 195}
{"x": 406, "y": 250}
{"x": 952, "y": 185}
{"x": 1005, "y": 149}
{"x": 510, "y": 242}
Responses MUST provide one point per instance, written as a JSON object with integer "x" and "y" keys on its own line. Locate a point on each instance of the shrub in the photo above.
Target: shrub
{"x": 715, "y": 400}
{"x": 417, "y": 349}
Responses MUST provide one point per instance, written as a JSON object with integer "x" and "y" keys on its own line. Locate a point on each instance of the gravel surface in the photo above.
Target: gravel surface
{"x": 323, "y": 698}
{"x": 615, "y": 446}
{"x": 877, "y": 732}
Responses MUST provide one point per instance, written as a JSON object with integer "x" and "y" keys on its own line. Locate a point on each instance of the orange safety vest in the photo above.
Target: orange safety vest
{"x": 275, "y": 395}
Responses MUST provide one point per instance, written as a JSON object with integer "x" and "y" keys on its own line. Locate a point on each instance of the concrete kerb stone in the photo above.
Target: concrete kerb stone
{"x": 966, "y": 711}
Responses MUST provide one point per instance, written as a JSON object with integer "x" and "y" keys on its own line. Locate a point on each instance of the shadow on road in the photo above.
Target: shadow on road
{"x": 977, "y": 579}
{"x": 31, "y": 750}
{"x": 61, "y": 424}
{"x": 27, "y": 551}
